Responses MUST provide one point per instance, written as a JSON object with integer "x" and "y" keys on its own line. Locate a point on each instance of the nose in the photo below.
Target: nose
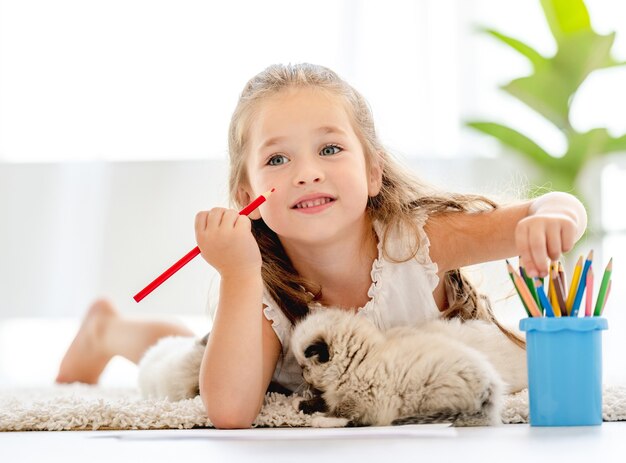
{"x": 309, "y": 172}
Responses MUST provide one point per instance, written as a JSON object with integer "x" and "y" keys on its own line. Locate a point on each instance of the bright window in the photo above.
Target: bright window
{"x": 147, "y": 80}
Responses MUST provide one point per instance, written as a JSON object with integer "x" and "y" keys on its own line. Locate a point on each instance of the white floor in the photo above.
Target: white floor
{"x": 508, "y": 444}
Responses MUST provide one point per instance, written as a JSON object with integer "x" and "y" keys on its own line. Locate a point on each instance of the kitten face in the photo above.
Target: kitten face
{"x": 319, "y": 349}
{"x": 325, "y": 343}
{"x": 310, "y": 343}
{"x": 315, "y": 368}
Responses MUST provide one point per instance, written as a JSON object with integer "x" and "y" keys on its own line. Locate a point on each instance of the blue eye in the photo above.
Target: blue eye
{"x": 329, "y": 150}
{"x": 277, "y": 160}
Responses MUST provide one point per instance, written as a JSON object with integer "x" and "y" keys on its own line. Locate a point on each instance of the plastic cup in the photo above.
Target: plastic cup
{"x": 564, "y": 370}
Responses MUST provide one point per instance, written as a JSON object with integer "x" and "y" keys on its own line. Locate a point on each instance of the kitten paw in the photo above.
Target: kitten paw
{"x": 295, "y": 403}
{"x": 328, "y": 422}
{"x": 310, "y": 406}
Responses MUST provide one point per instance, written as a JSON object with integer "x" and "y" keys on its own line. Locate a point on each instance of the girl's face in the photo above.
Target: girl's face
{"x": 301, "y": 142}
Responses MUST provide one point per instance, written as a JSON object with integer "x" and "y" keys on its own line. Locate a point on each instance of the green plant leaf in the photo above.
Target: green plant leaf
{"x": 533, "y": 55}
{"x": 545, "y": 92}
{"x": 612, "y": 63}
{"x": 515, "y": 140}
{"x": 566, "y": 17}
{"x": 615, "y": 145}
{"x": 580, "y": 54}
{"x": 551, "y": 88}
{"x": 584, "y": 146}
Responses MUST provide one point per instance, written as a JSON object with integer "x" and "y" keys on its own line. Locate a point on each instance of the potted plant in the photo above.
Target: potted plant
{"x": 550, "y": 90}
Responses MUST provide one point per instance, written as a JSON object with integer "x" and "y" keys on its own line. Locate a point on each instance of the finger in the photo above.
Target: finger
{"x": 568, "y": 238}
{"x": 243, "y": 223}
{"x": 214, "y": 217}
{"x": 200, "y": 221}
{"x": 553, "y": 242}
{"x": 537, "y": 240}
{"x": 523, "y": 247}
{"x": 229, "y": 218}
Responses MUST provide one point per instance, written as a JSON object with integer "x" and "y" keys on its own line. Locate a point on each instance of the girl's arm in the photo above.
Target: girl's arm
{"x": 240, "y": 355}
{"x": 242, "y": 349}
{"x": 535, "y": 230}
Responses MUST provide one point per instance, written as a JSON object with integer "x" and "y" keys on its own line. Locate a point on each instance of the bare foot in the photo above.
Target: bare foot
{"x": 86, "y": 358}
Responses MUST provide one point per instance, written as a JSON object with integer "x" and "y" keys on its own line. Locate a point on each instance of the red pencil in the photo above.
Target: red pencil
{"x": 194, "y": 252}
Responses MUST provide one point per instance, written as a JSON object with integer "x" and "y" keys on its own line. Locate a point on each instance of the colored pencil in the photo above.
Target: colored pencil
{"x": 574, "y": 284}
{"x": 603, "y": 293}
{"x": 524, "y": 292}
{"x": 589, "y": 293}
{"x": 559, "y": 307}
{"x": 581, "y": 285}
{"x": 519, "y": 294}
{"x": 562, "y": 278}
{"x": 158, "y": 281}
{"x": 529, "y": 284}
{"x": 256, "y": 203}
{"x": 551, "y": 290}
{"x": 606, "y": 298}
{"x": 543, "y": 298}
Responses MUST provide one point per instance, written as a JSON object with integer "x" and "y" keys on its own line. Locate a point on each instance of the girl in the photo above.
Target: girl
{"x": 345, "y": 227}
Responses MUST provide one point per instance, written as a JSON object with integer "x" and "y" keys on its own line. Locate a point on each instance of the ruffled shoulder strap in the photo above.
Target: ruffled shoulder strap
{"x": 401, "y": 240}
{"x": 423, "y": 252}
{"x": 280, "y": 323}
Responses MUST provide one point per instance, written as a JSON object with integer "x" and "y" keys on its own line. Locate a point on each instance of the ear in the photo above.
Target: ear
{"x": 375, "y": 176}
{"x": 245, "y": 197}
{"x": 319, "y": 348}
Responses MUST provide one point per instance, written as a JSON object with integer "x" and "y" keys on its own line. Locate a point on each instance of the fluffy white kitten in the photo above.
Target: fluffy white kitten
{"x": 171, "y": 368}
{"x": 440, "y": 371}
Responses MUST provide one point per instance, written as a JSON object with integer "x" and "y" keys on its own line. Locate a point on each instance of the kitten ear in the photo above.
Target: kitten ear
{"x": 319, "y": 348}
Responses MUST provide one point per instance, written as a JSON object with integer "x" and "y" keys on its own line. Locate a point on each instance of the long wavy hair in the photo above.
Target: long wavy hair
{"x": 401, "y": 202}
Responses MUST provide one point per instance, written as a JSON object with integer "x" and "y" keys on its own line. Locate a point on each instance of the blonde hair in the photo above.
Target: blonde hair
{"x": 402, "y": 200}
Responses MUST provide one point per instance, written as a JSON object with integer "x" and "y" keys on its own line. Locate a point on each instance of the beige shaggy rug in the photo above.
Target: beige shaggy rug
{"x": 81, "y": 407}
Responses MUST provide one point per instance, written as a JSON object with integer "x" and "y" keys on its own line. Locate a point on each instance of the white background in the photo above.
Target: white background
{"x": 145, "y": 80}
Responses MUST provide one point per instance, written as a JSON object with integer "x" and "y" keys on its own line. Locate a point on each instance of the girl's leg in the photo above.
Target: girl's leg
{"x": 104, "y": 334}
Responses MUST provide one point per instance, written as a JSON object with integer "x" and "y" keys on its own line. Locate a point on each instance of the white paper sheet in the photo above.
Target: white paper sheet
{"x": 404, "y": 431}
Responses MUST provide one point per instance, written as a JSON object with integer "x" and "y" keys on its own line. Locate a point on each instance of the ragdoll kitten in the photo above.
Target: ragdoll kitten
{"x": 432, "y": 373}
{"x": 171, "y": 368}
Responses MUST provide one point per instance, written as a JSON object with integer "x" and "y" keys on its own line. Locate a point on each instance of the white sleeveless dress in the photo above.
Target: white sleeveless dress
{"x": 400, "y": 294}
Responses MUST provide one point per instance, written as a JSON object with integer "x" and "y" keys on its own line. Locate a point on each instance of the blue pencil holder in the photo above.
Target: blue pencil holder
{"x": 564, "y": 357}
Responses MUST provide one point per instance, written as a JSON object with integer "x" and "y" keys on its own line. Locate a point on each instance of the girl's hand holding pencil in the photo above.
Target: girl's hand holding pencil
{"x": 553, "y": 224}
{"x": 225, "y": 237}
{"x": 542, "y": 237}
{"x": 226, "y": 242}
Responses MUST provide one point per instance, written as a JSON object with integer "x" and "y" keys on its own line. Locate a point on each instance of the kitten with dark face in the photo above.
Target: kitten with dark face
{"x": 364, "y": 376}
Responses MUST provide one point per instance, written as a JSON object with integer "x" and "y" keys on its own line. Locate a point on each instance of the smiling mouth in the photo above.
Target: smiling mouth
{"x": 313, "y": 203}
